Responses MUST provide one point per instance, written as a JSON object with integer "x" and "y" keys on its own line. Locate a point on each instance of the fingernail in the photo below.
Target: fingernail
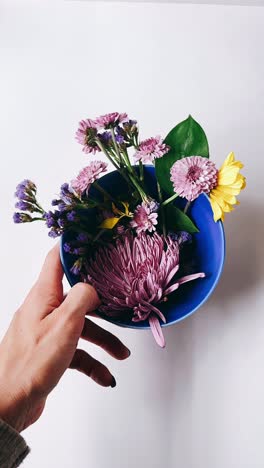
{"x": 113, "y": 384}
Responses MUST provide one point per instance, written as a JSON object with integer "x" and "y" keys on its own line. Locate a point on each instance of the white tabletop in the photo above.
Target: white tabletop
{"x": 198, "y": 403}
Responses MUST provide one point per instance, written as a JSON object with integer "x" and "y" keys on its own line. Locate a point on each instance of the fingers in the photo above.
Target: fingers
{"x": 47, "y": 293}
{"x": 81, "y": 299}
{"x": 106, "y": 340}
{"x": 51, "y": 274}
{"x": 89, "y": 366}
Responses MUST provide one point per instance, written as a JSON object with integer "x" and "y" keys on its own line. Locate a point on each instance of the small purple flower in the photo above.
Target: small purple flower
{"x": 71, "y": 216}
{"x": 79, "y": 251}
{"x": 77, "y": 266}
{"x": 26, "y": 185}
{"x": 67, "y": 247}
{"x": 119, "y": 139}
{"x": 87, "y": 176}
{"x": 25, "y": 206}
{"x": 51, "y": 221}
{"x": 53, "y": 233}
{"x": 21, "y": 218}
{"x": 55, "y": 202}
{"x": 151, "y": 149}
{"x": 181, "y": 237}
{"x": 82, "y": 237}
{"x": 145, "y": 217}
{"x": 105, "y": 137}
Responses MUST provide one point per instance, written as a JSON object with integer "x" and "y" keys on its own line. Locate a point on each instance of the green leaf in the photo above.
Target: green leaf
{"x": 176, "y": 220}
{"x": 186, "y": 139}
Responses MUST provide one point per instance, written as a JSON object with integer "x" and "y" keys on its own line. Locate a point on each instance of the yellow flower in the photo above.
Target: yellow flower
{"x": 229, "y": 184}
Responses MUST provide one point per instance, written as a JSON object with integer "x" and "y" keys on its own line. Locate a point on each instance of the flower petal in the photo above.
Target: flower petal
{"x": 156, "y": 330}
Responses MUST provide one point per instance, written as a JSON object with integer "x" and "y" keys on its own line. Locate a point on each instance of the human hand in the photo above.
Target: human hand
{"x": 41, "y": 343}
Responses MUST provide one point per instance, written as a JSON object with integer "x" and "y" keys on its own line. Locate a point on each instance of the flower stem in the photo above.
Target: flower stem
{"x": 115, "y": 144}
{"x": 162, "y": 212}
{"x": 169, "y": 200}
{"x": 141, "y": 172}
{"x": 103, "y": 191}
{"x": 187, "y": 206}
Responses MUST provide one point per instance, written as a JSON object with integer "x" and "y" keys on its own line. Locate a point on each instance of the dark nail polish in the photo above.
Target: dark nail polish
{"x": 113, "y": 384}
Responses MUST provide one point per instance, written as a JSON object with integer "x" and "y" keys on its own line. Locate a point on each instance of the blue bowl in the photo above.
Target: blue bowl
{"x": 209, "y": 252}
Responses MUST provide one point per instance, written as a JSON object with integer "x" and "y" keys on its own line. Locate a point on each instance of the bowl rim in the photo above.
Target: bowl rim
{"x": 172, "y": 322}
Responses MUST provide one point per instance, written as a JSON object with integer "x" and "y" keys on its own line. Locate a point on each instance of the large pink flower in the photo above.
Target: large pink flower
{"x": 87, "y": 176}
{"x": 85, "y": 135}
{"x": 151, "y": 149}
{"x": 110, "y": 120}
{"x": 134, "y": 275}
{"x": 145, "y": 217}
{"x": 192, "y": 176}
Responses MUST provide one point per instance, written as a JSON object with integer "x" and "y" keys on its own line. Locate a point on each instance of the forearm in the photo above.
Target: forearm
{"x": 13, "y": 448}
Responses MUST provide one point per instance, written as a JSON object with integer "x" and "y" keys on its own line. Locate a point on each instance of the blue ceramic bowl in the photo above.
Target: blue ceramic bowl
{"x": 209, "y": 251}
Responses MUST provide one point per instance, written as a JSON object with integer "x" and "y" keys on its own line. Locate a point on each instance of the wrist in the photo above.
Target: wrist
{"x": 12, "y": 408}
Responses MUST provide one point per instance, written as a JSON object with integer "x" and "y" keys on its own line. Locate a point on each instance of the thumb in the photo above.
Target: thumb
{"x": 81, "y": 299}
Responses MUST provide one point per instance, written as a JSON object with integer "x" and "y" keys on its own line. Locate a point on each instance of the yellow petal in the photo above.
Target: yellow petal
{"x": 229, "y": 159}
{"x": 222, "y": 194}
{"x": 109, "y": 223}
{"x": 227, "y": 175}
{"x": 225, "y": 206}
{"x": 230, "y": 190}
{"x": 216, "y": 209}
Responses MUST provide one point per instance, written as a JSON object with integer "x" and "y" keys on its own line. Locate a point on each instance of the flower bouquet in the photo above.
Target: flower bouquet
{"x": 141, "y": 232}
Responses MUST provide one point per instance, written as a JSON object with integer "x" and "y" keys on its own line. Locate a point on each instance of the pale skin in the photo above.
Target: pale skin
{"x": 41, "y": 344}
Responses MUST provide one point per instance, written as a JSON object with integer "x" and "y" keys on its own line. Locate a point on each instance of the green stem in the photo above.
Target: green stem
{"x": 141, "y": 172}
{"x": 103, "y": 191}
{"x": 37, "y": 219}
{"x": 115, "y": 143}
{"x": 162, "y": 212}
{"x": 169, "y": 200}
{"x": 102, "y": 148}
{"x": 187, "y": 206}
{"x": 100, "y": 233}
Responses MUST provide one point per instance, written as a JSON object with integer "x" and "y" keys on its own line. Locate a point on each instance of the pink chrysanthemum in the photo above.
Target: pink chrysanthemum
{"x": 192, "y": 176}
{"x": 151, "y": 149}
{"x": 136, "y": 274}
{"x": 87, "y": 176}
{"x": 145, "y": 217}
{"x": 110, "y": 120}
{"x": 85, "y": 135}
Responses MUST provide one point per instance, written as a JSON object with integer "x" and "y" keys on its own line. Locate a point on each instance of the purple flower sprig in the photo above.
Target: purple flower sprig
{"x": 27, "y": 203}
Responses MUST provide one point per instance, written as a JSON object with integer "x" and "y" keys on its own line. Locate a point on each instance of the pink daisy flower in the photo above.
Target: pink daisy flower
{"x": 134, "y": 275}
{"x": 85, "y": 135}
{"x": 145, "y": 217}
{"x": 151, "y": 149}
{"x": 87, "y": 176}
{"x": 192, "y": 176}
{"x": 110, "y": 120}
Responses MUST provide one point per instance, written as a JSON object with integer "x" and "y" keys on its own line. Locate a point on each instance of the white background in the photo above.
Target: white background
{"x": 199, "y": 403}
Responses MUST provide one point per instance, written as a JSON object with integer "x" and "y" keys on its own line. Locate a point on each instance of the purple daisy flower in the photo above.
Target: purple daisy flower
{"x": 110, "y": 120}
{"x": 135, "y": 275}
{"x": 86, "y": 134}
{"x": 87, "y": 176}
{"x": 145, "y": 217}
{"x": 151, "y": 149}
{"x": 192, "y": 176}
